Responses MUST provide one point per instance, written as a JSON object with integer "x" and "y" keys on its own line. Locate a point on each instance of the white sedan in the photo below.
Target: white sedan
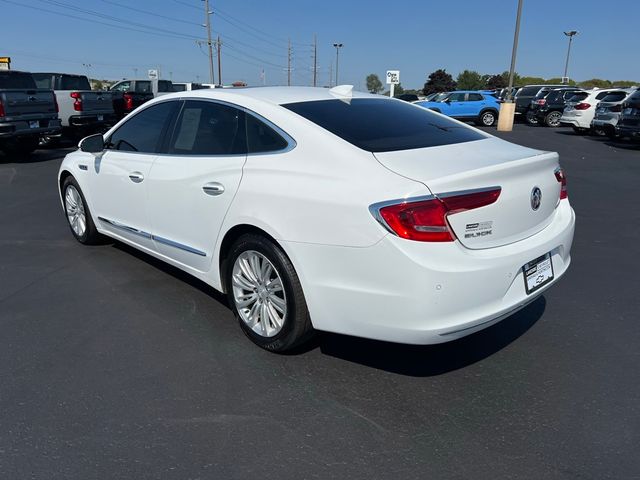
{"x": 328, "y": 209}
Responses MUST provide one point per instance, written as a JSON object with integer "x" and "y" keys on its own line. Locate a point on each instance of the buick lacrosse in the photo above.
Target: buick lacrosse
{"x": 328, "y": 209}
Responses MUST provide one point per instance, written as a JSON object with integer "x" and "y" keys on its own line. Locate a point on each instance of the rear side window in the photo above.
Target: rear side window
{"x": 379, "y": 125}
{"x": 615, "y": 97}
{"x": 208, "y": 128}
{"x": 18, "y": 80}
{"x": 601, "y": 95}
{"x": 72, "y": 82}
{"x": 144, "y": 131}
{"x": 475, "y": 97}
{"x": 261, "y": 138}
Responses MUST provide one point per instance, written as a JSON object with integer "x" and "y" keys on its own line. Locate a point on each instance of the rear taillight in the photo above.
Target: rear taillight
{"x": 541, "y": 101}
{"x": 1, "y": 108}
{"x": 128, "y": 101}
{"x": 582, "y": 106}
{"x": 77, "y": 101}
{"x": 562, "y": 178}
{"x": 426, "y": 220}
{"x": 616, "y": 108}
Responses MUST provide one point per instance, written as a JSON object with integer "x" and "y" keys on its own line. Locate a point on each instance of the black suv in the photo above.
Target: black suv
{"x": 407, "y": 97}
{"x": 629, "y": 122}
{"x": 523, "y": 98}
{"x": 549, "y": 104}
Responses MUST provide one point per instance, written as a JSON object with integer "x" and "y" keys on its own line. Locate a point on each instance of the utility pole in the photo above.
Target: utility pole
{"x": 289, "y": 64}
{"x": 218, "y": 45}
{"x": 507, "y": 108}
{"x": 338, "y": 47}
{"x": 569, "y": 34}
{"x": 331, "y": 74}
{"x": 207, "y": 25}
{"x": 315, "y": 59}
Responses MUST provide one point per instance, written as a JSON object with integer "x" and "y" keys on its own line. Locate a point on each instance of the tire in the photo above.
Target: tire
{"x": 78, "y": 214}
{"x": 21, "y": 146}
{"x": 487, "y": 118}
{"x": 531, "y": 118}
{"x": 552, "y": 119}
{"x": 255, "y": 262}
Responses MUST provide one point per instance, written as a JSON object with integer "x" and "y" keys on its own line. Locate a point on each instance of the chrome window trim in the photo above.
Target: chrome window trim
{"x": 375, "y": 208}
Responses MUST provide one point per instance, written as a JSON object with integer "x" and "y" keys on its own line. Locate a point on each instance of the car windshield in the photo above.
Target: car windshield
{"x": 381, "y": 125}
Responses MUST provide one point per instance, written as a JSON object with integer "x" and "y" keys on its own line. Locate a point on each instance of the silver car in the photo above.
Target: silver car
{"x": 608, "y": 112}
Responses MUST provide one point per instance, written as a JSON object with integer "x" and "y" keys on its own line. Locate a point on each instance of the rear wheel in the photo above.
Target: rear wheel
{"x": 531, "y": 118}
{"x": 552, "y": 119}
{"x": 487, "y": 118}
{"x": 78, "y": 214}
{"x": 265, "y": 294}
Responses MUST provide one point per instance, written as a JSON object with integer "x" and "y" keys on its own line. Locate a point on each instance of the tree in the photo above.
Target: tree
{"x": 374, "y": 85}
{"x": 496, "y": 81}
{"x": 439, "y": 81}
{"x": 97, "y": 85}
{"x": 470, "y": 80}
{"x": 595, "y": 83}
{"x": 398, "y": 90}
{"x": 558, "y": 81}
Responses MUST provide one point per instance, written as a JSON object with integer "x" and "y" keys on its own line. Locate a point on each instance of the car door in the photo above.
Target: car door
{"x": 474, "y": 104}
{"x": 193, "y": 183}
{"x": 118, "y": 177}
{"x": 455, "y": 105}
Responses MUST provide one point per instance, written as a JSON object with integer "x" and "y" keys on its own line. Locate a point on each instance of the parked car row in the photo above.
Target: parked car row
{"x": 481, "y": 107}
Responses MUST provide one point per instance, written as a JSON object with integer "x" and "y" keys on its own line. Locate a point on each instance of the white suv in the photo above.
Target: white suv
{"x": 579, "y": 114}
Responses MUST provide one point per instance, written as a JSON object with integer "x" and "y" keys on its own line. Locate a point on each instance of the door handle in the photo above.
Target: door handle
{"x": 213, "y": 189}
{"x": 136, "y": 177}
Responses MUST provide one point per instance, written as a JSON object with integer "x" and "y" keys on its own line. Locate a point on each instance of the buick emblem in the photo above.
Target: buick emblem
{"x": 536, "y": 198}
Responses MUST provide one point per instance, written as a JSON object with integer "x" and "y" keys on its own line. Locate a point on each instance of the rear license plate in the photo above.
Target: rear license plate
{"x": 100, "y": 118}
{"x": 538, "y": 273}
{"x": 627, "y": 111}
{"x": 34, "y": 124}
{"x": 600, "y": 110}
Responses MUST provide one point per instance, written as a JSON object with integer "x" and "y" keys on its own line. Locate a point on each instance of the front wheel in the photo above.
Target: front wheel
{"x": 488, "y": 118}
{"x": 552, "y": 119}
{"x": 265, "y": 294}
{"x": 78, "y": 214}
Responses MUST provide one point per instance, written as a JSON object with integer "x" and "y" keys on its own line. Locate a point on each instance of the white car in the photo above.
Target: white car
{"x": 328, "y": 209}
{"x": 579, "y": 114}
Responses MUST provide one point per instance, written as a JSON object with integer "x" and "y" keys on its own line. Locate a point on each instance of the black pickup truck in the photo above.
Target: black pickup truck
{"x": 26, "y": 112}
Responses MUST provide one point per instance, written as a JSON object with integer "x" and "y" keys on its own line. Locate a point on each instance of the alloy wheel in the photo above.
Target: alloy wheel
{"x": 75, "y": 211}
{"x": 258, "y": 293}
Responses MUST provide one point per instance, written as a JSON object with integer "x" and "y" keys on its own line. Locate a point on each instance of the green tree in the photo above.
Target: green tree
{"x": 625, "y": 83}
{"x": 398, "y": 90}
{"x": 470, "y": 80}
{"x": 374, "y": 85}
{"x": 439, "y": 81}
{"x": 532, "y": 81}
{"x": 558, "y": 80}
{"x": 496, "y": 81}
{"x": 595, "y": 83}
{"x": 97, "y": 85}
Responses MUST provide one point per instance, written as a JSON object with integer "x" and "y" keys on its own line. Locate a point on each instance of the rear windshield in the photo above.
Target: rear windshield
{"x": 165, "y": 86}
{"x": 20, "y": 80}
{"x": 73, "y": 82}
{"x": 615, "y": 97}
{"x": 635, "y": 96}
{"x": 43, "y": 80}
{"x": 179, "y": 88}
{"x": 379, "y": 125}
{"x": 578, "y": 97}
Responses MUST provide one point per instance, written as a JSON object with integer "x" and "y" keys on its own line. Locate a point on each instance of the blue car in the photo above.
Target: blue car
{"x": 466, "y": 105}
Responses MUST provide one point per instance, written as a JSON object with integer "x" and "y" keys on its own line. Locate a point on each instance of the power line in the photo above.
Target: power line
{"x": 146, "y": 12}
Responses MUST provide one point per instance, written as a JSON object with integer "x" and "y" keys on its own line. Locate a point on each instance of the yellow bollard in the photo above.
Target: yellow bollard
{"x": 505, "y": 117}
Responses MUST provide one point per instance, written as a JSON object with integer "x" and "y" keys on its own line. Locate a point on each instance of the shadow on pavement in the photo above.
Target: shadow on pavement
{"x": 431, "y": 360}
{"x": 36, "y": 157}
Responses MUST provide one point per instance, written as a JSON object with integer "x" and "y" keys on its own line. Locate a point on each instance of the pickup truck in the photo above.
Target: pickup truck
{"x": 26, "y": 112}
{"x": 130, "y": 94}
{"x": 82, "y": 111}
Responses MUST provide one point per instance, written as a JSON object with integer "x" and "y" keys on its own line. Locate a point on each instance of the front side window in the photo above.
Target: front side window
{"x": 382, "y": 125}
{"x": 122, "y": 87}
{"x": 208, "y": 128}
{"x": 144, "y": 131}
{"x": 456, "y": 97}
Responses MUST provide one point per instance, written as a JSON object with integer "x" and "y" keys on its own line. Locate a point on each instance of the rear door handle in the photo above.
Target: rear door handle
{"x": 136, "y": 177}
{"x": 213, "y": 189}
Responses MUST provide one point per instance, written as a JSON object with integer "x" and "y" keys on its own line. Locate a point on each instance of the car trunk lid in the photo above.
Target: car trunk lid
{"x": 523, "y": 174}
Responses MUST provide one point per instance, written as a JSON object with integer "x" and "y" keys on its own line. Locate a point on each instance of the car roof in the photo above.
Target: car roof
{"x": 272, "y": 95}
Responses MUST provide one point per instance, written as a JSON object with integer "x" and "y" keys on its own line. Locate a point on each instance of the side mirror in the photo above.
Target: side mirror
{"x": 92, "y": 144}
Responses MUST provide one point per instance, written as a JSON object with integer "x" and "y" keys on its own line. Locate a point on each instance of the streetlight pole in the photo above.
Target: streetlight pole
{"x": 338, "y": 47}
{"x": 570, "y": 34}
{"x": 507, "y": 108}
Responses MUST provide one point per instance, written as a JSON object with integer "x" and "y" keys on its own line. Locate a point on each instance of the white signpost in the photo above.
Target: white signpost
{"x": 393, "y": 79}
{"x": 153, "y": 74}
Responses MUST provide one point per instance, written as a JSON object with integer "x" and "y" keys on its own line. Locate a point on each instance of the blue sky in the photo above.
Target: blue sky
{"x": 415, "y": 37}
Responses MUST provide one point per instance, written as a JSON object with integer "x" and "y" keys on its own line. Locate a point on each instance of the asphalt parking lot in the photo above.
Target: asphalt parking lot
{"x": 113, "y": 365}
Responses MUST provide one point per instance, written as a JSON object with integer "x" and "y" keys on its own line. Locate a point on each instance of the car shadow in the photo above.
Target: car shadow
{"x": 38, "y": 156}
{"x": 430, "y": 360}
{"x": 409, "y": 360}
{"x": 615, "y": 143}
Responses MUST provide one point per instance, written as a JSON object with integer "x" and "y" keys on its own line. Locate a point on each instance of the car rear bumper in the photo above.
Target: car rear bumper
{"x": 23, "y": 128}
{"x": 574, "y": 119}
{"x": 418, "y": 293}
{"x": 628, "y": 130}
{"x": 604, "y": 122}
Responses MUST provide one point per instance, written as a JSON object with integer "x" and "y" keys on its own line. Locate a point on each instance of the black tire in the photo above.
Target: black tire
{"x": 552, "y": 119}
{"x": 21, "y": 146}
{"x": 296, "y": 326}
{"x": 90, "y": 235}
{"x": 531, "y": 118}
{"x": 487, "y": 118}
